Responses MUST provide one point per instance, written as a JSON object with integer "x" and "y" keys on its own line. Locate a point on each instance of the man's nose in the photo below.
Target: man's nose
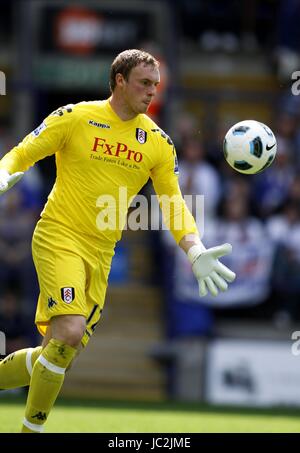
{"x": 152, "y": 91}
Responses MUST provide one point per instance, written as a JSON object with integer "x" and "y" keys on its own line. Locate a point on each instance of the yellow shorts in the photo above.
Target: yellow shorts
{"x": 72, "y": 273}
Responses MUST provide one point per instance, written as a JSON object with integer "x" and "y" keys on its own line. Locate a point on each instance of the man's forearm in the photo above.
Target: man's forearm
{"x": 188, "y": 241}
{"x": 12, "y": 161}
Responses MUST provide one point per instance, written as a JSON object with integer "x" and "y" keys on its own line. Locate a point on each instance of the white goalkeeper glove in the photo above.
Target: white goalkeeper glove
{"x": 211, "y": 274}
{"x": 7, "y": 180}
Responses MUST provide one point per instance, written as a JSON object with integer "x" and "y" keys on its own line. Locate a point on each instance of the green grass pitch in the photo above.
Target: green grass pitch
{"x": 116, "y": 417}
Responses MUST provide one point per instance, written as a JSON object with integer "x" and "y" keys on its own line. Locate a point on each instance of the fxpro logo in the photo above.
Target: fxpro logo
{"x": 2, "y": 84}
{"x": 118, "y": 150}
{"x": 2, "y": 343}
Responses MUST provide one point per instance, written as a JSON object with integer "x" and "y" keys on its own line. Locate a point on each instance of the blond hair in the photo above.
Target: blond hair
{"x": 126, "y": 61}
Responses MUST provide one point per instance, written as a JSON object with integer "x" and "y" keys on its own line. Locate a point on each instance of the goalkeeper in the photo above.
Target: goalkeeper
{"x": 100, "y": 147}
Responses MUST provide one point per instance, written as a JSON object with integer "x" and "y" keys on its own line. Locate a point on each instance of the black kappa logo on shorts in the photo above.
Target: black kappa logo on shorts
{"x": 51, "y": 302}
{"x": 67, "y": 294}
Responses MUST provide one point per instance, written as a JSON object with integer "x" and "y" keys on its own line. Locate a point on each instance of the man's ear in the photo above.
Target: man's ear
{"x": 120, "y": 81}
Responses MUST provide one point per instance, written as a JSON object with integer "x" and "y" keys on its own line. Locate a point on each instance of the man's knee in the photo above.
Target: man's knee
{"x": 79, "y": 349}
{"x": 68, "y": 329}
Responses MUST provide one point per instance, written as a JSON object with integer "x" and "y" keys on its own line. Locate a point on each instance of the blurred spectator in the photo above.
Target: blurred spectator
{"x": 284, "y": 229}
{"x": 185, "y": 316}
{"x": 6, "y": 141}
{"x": 215, "y": 145}
{"x": 185, "y": 128}
{"x": 252, "y": 254}
{"x": 197, "y": 176}
{"x": 287, "y": 126}
{"x": 272, "y": 187}
{"x": 16, "y": 227}
{"x": 288, "y": 38}
{"x": 287, "y": 134}
{"x": 32, "y": 189}
{"x": 294, "y": 193}
{"x": 237, "y": 187}
{"x": 289, "y": 103}
{"x": 13, "y": 323}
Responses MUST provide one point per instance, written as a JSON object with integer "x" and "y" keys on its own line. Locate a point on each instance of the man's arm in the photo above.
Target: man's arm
{"x": 44, "y": 141}
{"x": 210, "y": 273}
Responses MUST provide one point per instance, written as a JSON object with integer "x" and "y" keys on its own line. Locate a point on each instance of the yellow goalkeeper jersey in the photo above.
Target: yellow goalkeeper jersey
{"x": 102, "y": 163}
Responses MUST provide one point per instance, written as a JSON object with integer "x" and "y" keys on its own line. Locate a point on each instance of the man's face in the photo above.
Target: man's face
{"x": 140, "y": 88}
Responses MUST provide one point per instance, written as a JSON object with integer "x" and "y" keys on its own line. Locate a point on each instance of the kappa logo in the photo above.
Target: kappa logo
{"x": 141, "y": 135}
{"x": 102, "y": 125}
{"x": 40, "y": 416}
{"x": 67, "y": 294}
{"x": 51, "y": 302}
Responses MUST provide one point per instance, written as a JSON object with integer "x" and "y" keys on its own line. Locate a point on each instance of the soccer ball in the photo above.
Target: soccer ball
{"x": 249, "y": 147}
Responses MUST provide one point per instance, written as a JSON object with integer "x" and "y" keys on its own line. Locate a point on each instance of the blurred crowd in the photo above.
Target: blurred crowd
{"x": 258, "y": 214}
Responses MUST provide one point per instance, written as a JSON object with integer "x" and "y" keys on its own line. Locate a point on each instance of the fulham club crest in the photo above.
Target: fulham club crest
{"x": 67, "y": 294}
{"x": 141, "y": 135}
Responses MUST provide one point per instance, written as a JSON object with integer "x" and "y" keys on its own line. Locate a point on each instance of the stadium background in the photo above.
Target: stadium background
{"x": 221, "y": 62}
